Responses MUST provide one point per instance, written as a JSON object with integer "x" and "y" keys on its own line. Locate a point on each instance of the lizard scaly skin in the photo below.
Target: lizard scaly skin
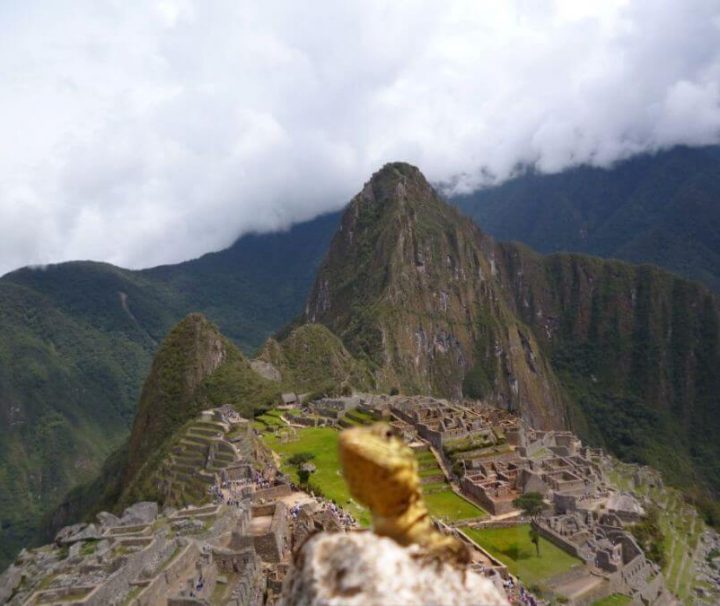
{"x": 382, "y": 473}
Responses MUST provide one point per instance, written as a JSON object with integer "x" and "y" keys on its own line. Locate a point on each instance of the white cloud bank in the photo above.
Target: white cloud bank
{"x": 149, "y": 132}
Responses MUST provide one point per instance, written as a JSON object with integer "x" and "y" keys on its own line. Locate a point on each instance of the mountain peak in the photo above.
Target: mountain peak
{"x": 412, "y": 286}
{"x": 398, "y": 170}
{"x": 397, "y": 182}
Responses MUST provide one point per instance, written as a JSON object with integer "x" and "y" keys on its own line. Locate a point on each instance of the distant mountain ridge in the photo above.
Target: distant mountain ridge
{"x": 661, "y": 208}
{"x": 77, "y": 340}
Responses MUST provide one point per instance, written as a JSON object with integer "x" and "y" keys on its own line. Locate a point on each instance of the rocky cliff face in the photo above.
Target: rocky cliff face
{"x": 636, "y": 348}
{"x": 412, "y": 287}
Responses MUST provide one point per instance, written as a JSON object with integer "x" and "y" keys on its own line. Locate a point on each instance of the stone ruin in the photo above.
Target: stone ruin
{"x": 235, "y": 555}
{"x": 218, "y": 444}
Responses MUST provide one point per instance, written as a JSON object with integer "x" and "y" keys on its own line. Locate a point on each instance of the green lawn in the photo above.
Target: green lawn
{"x": 616, "y": 599}
{"x": 449, "y": 506}
{"x": 322, "y": 442}
{"x": 512, "y": 546}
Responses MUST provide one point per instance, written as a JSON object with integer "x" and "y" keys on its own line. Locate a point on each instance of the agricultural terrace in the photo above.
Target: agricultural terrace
{"x": 512, "y": 546}
{"x": 442, "y": 502}
{"x": 680, "y": 525}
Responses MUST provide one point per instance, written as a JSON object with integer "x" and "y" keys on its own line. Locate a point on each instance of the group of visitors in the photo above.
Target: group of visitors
{"x": 517, "y": 594}
{"x": 232, "y": 492}
{"x": 260, "y": 481}
{"x": 342, "y": 517}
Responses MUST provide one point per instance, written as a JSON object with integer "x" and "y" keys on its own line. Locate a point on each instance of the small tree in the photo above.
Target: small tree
{"x": 301, "y": 457}
{"x": 303, "y": 476}
{"x": 532, "y": 505}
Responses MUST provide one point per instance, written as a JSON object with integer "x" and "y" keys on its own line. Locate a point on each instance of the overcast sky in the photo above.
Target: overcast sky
{"x": 150, "y": 132}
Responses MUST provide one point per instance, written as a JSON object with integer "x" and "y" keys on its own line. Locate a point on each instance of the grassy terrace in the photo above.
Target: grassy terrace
{"x": 442, "y": 502}
{"x": 513, "y": 548}
{"x": 268, "y": 420}
{"x": 322, "y": 442}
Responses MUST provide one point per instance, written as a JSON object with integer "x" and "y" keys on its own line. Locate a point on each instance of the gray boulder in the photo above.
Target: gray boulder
{"x": 144, "y": 512}
{"x": 88, "y": 532}
{"x": 9, "y": 580}
{"x": 74, "y": 550}
{"x": 107, "y": 520}
{"x": 67, "y": 531}
{"x": 363, "y": 569}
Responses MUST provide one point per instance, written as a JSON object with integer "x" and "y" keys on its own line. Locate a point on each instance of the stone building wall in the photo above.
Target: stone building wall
{"x": 119, "y": 583}
{"x": 271, "y": 545}
{"x": 181, "y": 566}
{"x": 494, "y": 506}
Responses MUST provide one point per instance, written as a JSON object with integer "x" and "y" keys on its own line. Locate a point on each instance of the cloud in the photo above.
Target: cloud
{"x": 150, "y": 132}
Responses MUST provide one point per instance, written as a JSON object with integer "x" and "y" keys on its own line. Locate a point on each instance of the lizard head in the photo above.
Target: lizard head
{"x": 380, "y": 469}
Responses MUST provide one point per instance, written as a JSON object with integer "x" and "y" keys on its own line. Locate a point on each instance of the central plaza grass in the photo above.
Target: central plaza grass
{"x": 322, "y": 442}
{"x": 450, "y": 507}
{"x": 512, "y": 546}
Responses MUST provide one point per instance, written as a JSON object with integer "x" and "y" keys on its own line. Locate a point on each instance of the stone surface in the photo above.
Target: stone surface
{"x": 267, "y": 370}
{"x": 90, "y": 532}
{"x": 144, "y": 512}
{"x": 107, "y": 520}
{"x": 8, "y": 581}
{"x": 362, "y": 569}
{"x": 74, "y": 550}
{"x": 68, "y": 531}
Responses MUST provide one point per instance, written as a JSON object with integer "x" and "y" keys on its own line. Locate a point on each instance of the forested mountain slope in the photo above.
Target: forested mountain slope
{"x": 77, "y": 340}
{"x": 662, "y": 208}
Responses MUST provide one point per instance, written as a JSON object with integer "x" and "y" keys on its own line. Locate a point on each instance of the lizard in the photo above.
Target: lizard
{"x": 381, "y": 472}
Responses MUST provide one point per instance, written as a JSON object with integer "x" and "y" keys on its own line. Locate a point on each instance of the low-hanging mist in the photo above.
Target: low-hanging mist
{"x": 148, "y": 134}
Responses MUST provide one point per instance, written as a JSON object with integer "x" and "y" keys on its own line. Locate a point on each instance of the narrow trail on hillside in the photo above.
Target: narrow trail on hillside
{"x": 128, "y": 311}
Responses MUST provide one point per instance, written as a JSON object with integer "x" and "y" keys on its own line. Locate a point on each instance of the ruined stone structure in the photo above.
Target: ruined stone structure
{"x": 613, "y": 557}
{"x": 218, "y": 446}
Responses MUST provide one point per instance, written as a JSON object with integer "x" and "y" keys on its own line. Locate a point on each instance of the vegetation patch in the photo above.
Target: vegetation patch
{"x": 446, "y": 505}
{"x": 327, "y": 479}
{"x": 514, "y": 548}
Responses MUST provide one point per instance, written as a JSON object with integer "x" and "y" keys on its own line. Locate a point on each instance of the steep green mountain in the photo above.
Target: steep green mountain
{"x": 312, "y": 360}
{"x": 197, "y": 368}
{"x": 637, "y": 351}
{"x": 410, "y": 286}
{"x": 77, "y": 340}
{"x": 662, "y": 209}
{"x": 68, "y": 387}
{"x": 626, "y": 355}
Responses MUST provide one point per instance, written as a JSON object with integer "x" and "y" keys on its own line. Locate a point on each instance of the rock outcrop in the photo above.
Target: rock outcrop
{"x": 362, "y": 569}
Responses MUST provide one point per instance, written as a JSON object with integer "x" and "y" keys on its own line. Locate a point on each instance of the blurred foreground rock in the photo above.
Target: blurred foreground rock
{"x": 362, "y": 569}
